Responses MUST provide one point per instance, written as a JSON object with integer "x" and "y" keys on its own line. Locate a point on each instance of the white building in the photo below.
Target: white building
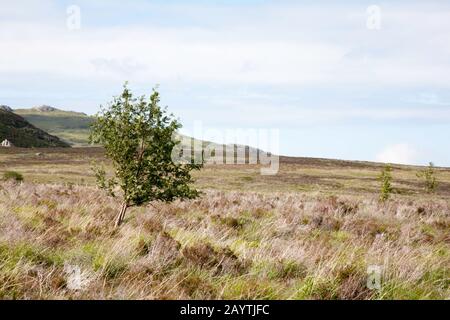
{"x": 6, "y": 143}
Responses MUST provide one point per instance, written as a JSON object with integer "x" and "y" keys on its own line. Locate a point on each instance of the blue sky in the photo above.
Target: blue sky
{"x": 314, "y": 70}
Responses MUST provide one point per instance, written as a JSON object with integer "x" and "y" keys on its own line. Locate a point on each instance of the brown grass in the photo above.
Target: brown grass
{"x": 226, "y": 244}
{"x": 306, "y": 175}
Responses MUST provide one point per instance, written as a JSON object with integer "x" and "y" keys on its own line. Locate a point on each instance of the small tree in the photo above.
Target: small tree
{"x": 138, "y": 138}
{"x": 429, "y": 177}
{"x": 386, "y": 183}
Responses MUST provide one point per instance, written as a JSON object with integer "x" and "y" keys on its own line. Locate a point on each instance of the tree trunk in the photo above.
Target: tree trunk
{"x": 121, "y": 214}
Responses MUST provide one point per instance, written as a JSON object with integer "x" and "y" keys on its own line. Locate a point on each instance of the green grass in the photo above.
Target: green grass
{"x": 72, "y": 127}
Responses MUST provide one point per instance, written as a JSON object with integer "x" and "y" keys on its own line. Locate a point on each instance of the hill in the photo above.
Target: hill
{"x": 70, "y": 126}
{"x": 23, "y": 134}
{"x": 5, "y": 108}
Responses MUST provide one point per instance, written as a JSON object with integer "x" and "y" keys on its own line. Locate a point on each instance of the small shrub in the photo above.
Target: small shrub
{"x": 429, "y": 177}
{"x": 386, "y": 183}
{"x": 13, "y": 175}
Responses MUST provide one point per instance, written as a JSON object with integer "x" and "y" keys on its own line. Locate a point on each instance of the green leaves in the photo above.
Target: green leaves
{"x": 429, "y": 177}
{"x": 386, "y": 183}
{"x": 137, "y": 136}
{"x": 102, "y": 181}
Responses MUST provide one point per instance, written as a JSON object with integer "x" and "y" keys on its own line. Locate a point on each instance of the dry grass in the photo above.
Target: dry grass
{"x": 226, "y": 244}
{"x": 309, "y": 232}
{"x": 306, "y": 175}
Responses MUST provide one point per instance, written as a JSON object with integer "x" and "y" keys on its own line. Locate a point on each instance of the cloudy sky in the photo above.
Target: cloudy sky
{"x": 355, "y": 80}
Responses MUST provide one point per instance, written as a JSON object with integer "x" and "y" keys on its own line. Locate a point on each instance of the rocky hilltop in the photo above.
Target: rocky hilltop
{"x": 23, "y": 134}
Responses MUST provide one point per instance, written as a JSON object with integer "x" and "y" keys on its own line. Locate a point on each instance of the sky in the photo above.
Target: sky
{"x": 355, "y": 80}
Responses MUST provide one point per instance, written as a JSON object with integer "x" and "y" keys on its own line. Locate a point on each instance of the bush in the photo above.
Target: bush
{"x": 12, "y": 175}
{"x": 386, "y": 183}
{"x": 428, "y": 175}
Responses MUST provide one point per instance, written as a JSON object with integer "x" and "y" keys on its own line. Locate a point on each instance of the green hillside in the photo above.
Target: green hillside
{"x": 70, "y": 126}
{"x": 23, "y": 134}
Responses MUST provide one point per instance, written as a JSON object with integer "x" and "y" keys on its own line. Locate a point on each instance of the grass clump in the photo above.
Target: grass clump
{"x": 282, "y": 270}
{"x": 12, "y": 176}
{"x": 12, "y": 255}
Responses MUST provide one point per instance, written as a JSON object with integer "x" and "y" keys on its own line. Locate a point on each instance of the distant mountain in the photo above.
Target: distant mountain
{"x": 23, "y": 134}
{"x": 70, "y": 126}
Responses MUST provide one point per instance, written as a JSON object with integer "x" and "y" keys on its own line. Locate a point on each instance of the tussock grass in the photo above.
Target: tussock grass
{"x": 13, "y": 175}
{"x": 230, "y": 245}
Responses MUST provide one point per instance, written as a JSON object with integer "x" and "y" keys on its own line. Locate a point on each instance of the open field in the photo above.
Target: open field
{"x": 309, "y": 232}
{"x": 325, "y": 176}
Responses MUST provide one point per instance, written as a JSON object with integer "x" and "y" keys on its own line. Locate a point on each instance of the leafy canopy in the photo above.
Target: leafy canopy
{"x": 138, "y": 138}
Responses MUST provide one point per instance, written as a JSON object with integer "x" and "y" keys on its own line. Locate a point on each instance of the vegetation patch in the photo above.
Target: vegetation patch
{"x": 12, "y": 176}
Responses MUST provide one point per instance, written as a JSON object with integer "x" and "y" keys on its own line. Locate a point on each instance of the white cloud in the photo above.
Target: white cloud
{"x": 302, "y": 63}
{"x": 399, "y": 153}
{"x": 278, "y": 45}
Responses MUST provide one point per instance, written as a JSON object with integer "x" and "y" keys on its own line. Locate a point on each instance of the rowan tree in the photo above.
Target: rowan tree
{"x": 138, "y": 138}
